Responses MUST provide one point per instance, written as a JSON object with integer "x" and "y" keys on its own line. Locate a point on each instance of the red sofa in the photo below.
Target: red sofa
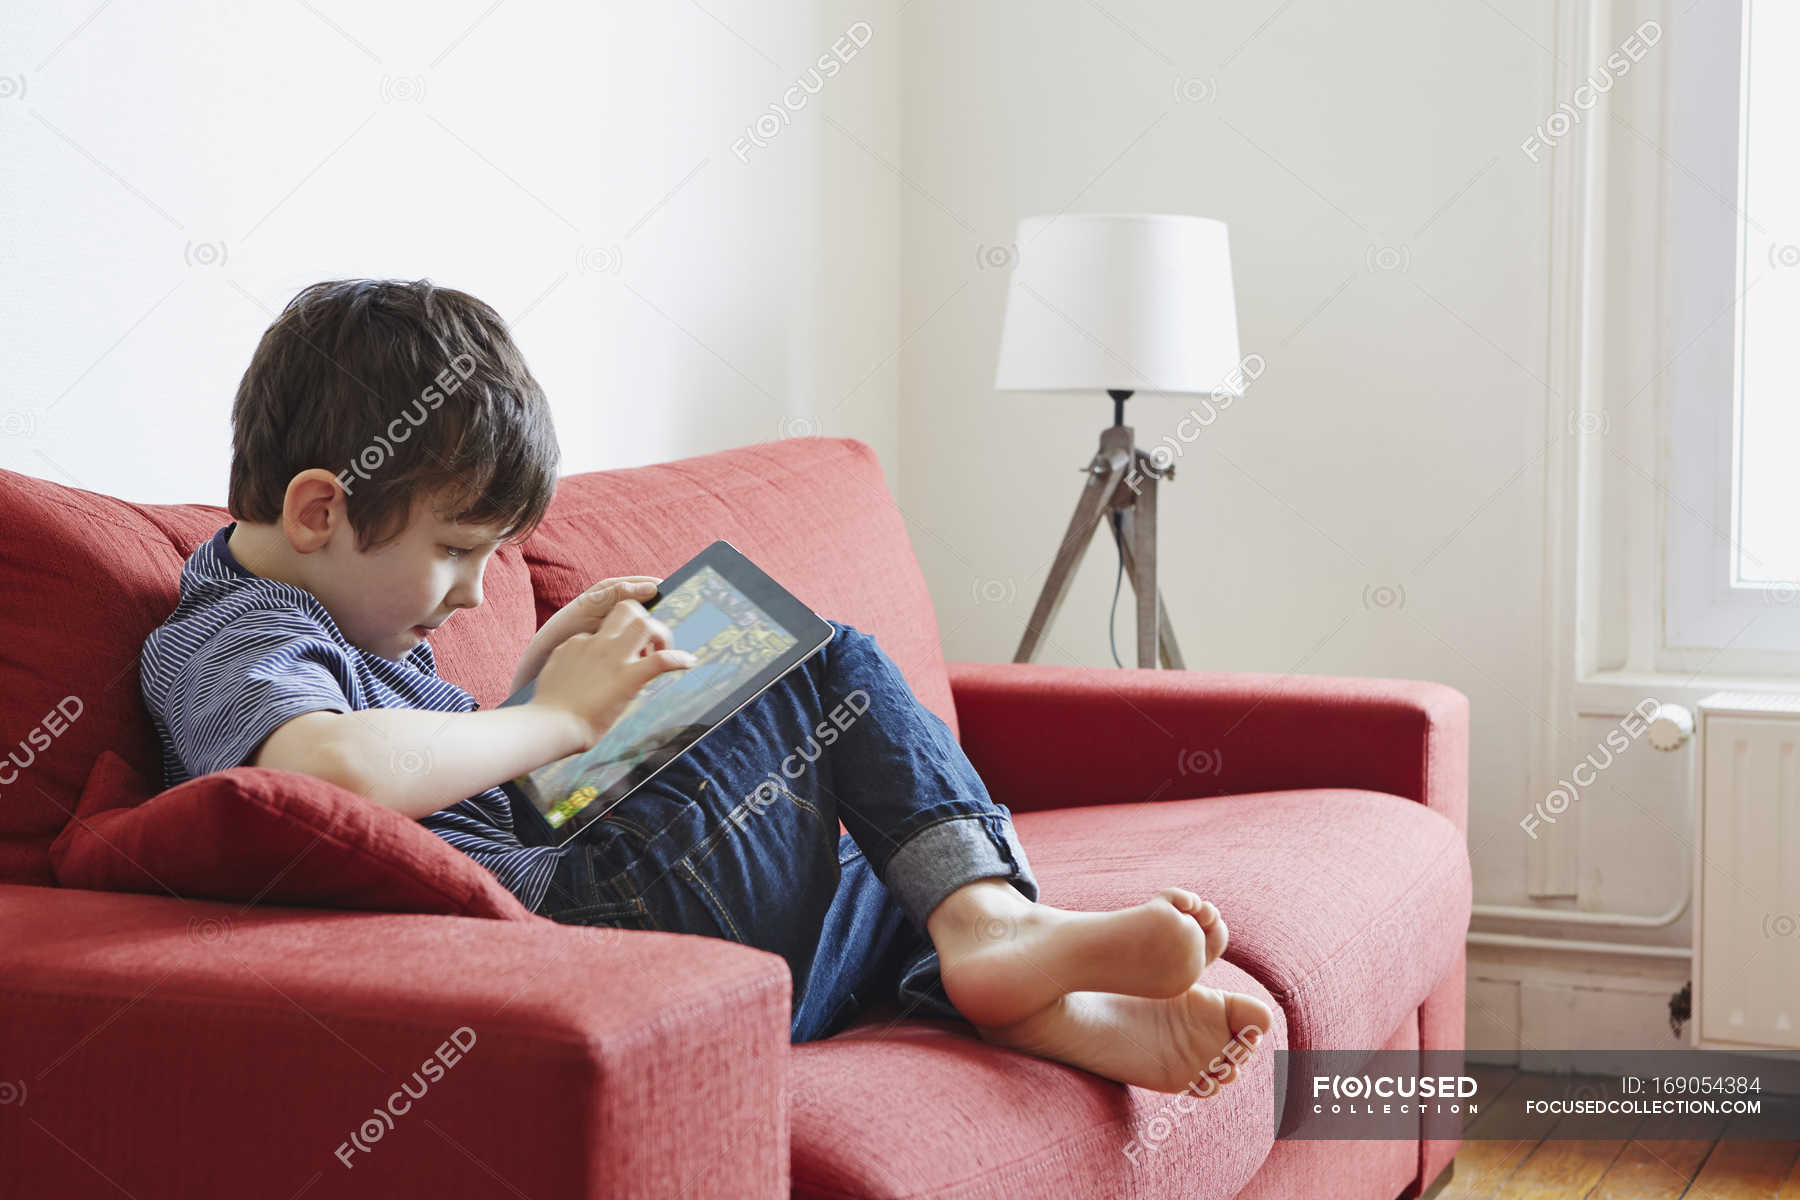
{"x": 196, "y": 1040}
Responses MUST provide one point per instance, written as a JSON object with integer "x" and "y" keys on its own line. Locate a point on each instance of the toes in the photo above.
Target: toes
{"x": 1247, "y": 1017}
{"x": 1203, "y": 911}
{"x": 1205, "y": 914}
{"x": 1218, "y": 936}
{"x": 1183, "y": 899}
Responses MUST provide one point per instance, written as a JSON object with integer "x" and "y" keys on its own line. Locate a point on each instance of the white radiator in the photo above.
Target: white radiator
{"x": 1747, "y": 930}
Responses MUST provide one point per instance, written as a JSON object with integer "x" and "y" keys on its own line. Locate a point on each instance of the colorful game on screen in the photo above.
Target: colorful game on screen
{"x": 730, "y": 635}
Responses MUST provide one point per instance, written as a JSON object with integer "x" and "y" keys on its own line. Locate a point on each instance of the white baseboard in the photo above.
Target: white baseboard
{"x": 1525, "y": 1002}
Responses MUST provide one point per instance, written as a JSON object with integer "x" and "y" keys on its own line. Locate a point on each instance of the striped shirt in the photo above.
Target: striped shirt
{"x": 241, "y": 655}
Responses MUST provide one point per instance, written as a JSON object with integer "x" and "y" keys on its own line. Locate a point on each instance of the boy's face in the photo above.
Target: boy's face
{"x": 387, "y": 600}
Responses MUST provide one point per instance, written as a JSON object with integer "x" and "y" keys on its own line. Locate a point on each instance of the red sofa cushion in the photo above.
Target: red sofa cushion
{"x": 813, "y": 512}
{"x": 84, "y": 578}
{"x": 257, "y": 835}
{"x": 1350, "y": 906}
{"x": 926, "y": 1108}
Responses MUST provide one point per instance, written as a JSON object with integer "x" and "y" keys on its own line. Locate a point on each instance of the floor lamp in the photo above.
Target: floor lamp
{"x": 1120, "y": 303}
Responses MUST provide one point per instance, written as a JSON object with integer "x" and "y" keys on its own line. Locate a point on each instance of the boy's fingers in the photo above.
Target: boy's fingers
{"x": 610, "y": 592}
{"x": 659, "y": 661}
{"x": 650, "y": 634}
{"x": 618, "y": 579}
{"x": 630, "y": 587}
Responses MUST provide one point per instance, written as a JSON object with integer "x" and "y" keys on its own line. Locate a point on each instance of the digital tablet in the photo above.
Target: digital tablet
{"x": 747, "y": 632}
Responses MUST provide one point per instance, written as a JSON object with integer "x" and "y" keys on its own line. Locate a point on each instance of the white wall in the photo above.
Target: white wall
{"x": 570, "y": 164}
{"x": 1390, "y": 246}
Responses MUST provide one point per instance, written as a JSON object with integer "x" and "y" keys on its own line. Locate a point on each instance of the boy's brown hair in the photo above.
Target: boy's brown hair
{"x": 401, "y": 389}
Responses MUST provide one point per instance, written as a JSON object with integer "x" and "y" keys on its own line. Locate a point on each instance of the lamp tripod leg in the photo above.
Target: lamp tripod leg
{"x": 1104, "y": 475}
{"x": 1143, "y": 582}
{"x": 1144, "y": 542}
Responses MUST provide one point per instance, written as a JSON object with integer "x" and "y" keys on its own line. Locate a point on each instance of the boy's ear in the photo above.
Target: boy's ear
{"x": 313, "y": 510}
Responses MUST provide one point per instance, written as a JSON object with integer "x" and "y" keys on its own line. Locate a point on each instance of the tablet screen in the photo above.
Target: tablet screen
{"x": 732, "y": 637}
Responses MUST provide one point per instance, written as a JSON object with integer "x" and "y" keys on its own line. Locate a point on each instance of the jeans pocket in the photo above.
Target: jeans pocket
{"x": 651, "y": 812}
{"x": 717, "y": 907}
{"x": 582, "y": 892}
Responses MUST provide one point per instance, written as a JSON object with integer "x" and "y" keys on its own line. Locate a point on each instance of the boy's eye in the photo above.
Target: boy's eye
{"x": 458, "y": 551}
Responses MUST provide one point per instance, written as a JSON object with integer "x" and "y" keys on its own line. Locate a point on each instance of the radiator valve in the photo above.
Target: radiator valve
{"x": 1671, "y": 727}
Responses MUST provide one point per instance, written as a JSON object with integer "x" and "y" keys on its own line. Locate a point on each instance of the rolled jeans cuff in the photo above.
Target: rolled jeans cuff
{"x": 953, "y": 852}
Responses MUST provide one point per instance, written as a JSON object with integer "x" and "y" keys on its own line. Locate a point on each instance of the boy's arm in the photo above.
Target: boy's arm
{"x": 419, "y": 761}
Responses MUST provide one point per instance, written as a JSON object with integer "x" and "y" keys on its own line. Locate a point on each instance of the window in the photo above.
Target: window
{"x": 1766, "y": 481}
{"x": 1732, "y": 504}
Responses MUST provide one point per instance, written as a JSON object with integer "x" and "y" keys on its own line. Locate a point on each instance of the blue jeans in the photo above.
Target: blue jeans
{"x": 738, "y": 838}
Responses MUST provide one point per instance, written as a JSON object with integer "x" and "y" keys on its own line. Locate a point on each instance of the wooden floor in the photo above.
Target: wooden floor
{"x": 1646, "y": 1166}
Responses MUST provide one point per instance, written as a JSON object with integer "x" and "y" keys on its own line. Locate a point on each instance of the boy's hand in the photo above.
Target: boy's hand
{"x": 583, "y": 614}
{"x": 592, "y": 677}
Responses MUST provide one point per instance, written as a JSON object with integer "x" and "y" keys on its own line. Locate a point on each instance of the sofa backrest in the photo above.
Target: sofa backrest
{"x": 813, "y": 512}
{"x": 85, "y": 577}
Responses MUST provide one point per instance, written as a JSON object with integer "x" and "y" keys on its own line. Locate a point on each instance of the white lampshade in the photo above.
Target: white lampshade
{"x": 1132, "y": 301}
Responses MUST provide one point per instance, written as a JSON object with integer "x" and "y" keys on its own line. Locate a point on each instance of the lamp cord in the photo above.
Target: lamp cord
{"x": 1112, "y": 618}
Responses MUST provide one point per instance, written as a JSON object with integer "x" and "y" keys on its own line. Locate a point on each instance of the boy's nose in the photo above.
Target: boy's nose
{"x": 467, "y": 596}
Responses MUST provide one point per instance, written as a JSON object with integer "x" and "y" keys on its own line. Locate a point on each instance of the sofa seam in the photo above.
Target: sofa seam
{"x": 1431, "y": 755}
{"x": 1425, "y": 754}
{"x": 523, "y": 1030}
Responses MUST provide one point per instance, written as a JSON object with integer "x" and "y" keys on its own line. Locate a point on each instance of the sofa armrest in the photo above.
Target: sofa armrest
{"x": 1044, "y": 736}
{"x": 159, "y": 1047}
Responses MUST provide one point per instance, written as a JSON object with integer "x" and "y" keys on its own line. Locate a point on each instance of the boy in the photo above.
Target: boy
{"x": 387, "y": 438}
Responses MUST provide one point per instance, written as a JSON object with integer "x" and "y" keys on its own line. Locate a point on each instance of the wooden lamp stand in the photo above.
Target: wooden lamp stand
{"x": 1120, "y": 478}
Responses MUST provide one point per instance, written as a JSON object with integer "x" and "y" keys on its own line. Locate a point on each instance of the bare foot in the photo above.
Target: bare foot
{"x": 1003, "y": 957}
{"x": 1193, "y": 1041}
